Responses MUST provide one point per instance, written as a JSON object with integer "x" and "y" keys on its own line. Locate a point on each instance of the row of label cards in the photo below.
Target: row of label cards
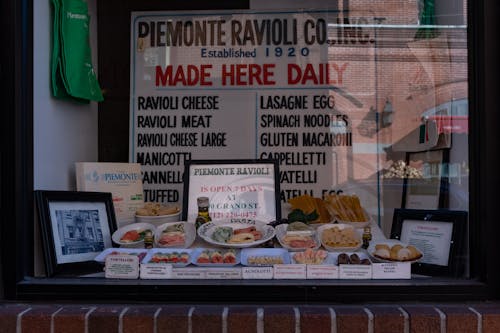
{"x": 128, "y": 267}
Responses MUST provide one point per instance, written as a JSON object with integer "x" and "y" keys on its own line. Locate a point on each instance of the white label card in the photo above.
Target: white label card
{"x": 322, "y": 272}
{"x": 395, "y": 270}
{"x": 223, "y": 273}
{"x": 355, "y": 272}
{"x": 156, "y": 271}
{"x": 188, "y": 273}
{"x": 258, "y": 272}
{"x": 122, "y": 267}
{"x": 293, "y": 271}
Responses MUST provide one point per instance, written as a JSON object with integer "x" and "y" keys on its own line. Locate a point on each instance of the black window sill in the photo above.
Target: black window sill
{"x": 248, "y": 291}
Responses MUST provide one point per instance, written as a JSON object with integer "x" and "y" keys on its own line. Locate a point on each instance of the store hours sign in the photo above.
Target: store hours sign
{"x": 236, "y": 86}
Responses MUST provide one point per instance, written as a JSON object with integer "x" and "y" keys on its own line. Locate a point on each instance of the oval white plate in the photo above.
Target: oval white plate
{"x": 390, "y": 243}
{"x": 118, "y": 234}
{"x": 206, "y": 230}
{"x": 247, "y": 253}
{"x": 152, "y": 252}
{"x": 196, "y": 253}
{"x": 329, "y": 260}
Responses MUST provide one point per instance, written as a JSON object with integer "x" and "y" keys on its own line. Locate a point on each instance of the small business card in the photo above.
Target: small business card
{"x": 121, "y": 267}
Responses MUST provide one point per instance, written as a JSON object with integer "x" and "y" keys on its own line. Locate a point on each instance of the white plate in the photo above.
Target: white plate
{"x": 281, "y": 232}
{"x": 152, "y": 252}
{"x": 390, "y": 243}
{"x": 329, "y": 260}
{"x": 117, "y": 235}
{"x": 322, "y": 228}
{"x": 101, "y": 257}
{"x": 189, "y": 233}
{"x": 196, "y": 253}
{"x": 206, "y": 230}
{"x": 256, "y": 252}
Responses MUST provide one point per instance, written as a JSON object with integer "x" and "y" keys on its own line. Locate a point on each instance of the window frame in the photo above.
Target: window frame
{"x": 17, "y": 228}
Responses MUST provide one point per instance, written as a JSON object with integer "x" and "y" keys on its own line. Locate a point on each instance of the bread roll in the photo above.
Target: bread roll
{"x": 394, "y": 251}
{"x": 404, "y": 254}
{"x": 414, "y": 253}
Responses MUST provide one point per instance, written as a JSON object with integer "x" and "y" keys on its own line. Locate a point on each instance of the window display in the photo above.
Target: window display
{"x": 360, "y": 110}
{"x": 363, "y": 106}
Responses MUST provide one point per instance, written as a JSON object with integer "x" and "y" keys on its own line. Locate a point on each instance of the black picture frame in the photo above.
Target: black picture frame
{"x": 426, "y": 189}
{"x": 455, "y": 264}
{"x": 189, "y": 198}
{"x": 75, "y": 227}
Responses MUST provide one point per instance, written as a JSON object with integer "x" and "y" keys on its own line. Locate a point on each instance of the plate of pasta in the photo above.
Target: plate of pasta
{"x": 339, "y": 237}
{"x": 237, "y": 234}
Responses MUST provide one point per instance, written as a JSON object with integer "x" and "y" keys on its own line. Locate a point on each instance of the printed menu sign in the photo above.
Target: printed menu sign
{"x": 249, "y": 85}
{"x": 235, "y": 191}
{"x": 432, "y": 238}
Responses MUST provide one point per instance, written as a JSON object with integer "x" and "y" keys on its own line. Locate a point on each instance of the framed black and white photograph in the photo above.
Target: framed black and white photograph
{"x": 75, "y": 228}
{"x": 235, "y": 189}
{"x": 438, "y": 234}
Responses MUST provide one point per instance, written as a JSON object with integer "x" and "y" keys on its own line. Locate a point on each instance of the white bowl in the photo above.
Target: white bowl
{"x": 189, "y": 233}
{"x": 281, "y": 231}
{"x": 159, "y": 219}
{"x": 322, "y": 228}
{"x": 139, "y": 227}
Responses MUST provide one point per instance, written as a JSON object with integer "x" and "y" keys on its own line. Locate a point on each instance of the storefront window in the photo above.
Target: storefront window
{"x": 354, "y": 102}
{"x": 362, "y": 106}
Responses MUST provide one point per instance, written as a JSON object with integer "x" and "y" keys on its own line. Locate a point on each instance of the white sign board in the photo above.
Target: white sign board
{"x": 247, "y": 85}
{"x": 433, "y": 238}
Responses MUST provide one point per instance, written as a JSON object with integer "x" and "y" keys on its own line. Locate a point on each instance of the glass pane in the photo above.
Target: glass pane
{"x": 360, "y": 101}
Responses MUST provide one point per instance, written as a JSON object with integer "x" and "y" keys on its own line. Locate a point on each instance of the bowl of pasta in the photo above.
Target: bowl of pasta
{"x": 157, "y": 214}
{"x": 339, "y": 237}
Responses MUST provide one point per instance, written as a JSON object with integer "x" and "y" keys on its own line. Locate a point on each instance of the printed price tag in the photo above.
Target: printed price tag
{"x": 257, "y": 272}
{"x": 322, "y": 272}
{"x": 393, "y": 270}
{"x": 223, "y": 273}
{"x": 355, "y": 272}
{"x": 294, "y": 271}
{"x": 121, "y": 267}
{"x": 156, "y": 271}
{"x": 188, "y": 273}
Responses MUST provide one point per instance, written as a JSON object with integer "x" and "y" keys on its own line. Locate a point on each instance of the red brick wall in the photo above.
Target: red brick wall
{"x": 383, "y": 318}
